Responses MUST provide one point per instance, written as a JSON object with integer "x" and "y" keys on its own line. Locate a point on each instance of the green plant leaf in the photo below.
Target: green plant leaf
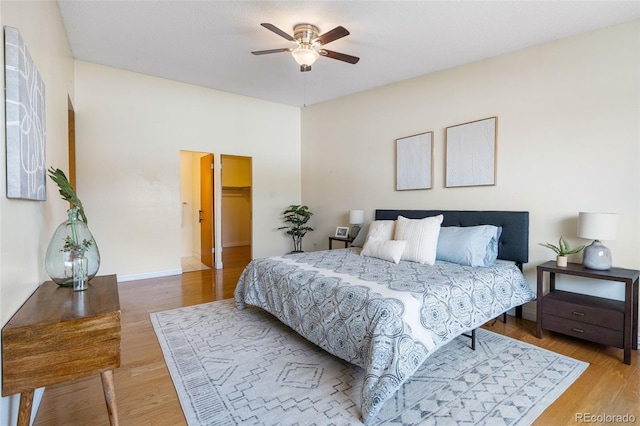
{"x": 66, "y": 191}
{"x": 563, "y": 248}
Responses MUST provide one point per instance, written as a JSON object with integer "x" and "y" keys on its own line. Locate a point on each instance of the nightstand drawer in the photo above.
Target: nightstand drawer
{"x": 585, "y": 309}
{"x": 584, "y": 331}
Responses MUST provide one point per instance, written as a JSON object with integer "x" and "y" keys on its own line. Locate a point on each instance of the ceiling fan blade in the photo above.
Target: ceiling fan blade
{"x": 334, "y": 34}
{"x": 264, "y": 52}
{"x": 278, "y": 31}
{"x": 339, "y": 56}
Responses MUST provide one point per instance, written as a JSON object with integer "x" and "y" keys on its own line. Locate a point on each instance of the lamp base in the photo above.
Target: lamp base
{"x": 597, "y": 256}
{"x": 354, "y": 231}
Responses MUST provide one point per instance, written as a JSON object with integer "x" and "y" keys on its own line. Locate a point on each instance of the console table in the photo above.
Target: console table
{"x": 609, "y": 322}
{"x": 60, "y": 335}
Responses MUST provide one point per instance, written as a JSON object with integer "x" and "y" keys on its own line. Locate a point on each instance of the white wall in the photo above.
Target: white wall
{"x": 568, "y": 141}
{"x": 26, "y": 226}
{"x": 130, "y": 129}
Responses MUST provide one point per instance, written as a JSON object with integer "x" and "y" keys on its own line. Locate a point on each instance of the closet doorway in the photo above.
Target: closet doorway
{"x": 236, "y": 210}
{"x": 216, "y": 197}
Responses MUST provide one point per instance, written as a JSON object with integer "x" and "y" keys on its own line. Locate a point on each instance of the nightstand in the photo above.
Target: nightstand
{"x": 346, "y": 241}
{"x": 605, "y": 321}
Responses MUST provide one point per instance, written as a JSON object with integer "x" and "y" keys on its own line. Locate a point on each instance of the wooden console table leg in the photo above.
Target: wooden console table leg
{"x": 110, "y": 396}
{"x": 24, "y": 413}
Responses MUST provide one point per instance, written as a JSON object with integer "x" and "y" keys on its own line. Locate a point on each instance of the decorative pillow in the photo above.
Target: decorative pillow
{"x": 421, "y": 236}
{"x": 381, "y": 229}
{"x": 469, "y": 245}
{"x": 361, "y": 237}
{"x": 390, "y": 250}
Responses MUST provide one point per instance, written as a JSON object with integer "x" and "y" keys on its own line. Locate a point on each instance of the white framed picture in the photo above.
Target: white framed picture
{"x": 471, "y": 153}
{"x": 342, "y": 232}
{"x": 414, "y": 162}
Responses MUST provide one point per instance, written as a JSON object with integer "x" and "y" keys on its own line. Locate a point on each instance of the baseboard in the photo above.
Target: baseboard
{"x": 147, "y": 275}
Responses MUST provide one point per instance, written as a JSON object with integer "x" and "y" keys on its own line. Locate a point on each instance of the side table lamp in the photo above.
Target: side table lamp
{"x": 356, "y": 218}
{"x": 597, "y": 226}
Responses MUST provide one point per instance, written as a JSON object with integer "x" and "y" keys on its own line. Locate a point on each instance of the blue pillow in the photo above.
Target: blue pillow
{"x": 469, "y": 245}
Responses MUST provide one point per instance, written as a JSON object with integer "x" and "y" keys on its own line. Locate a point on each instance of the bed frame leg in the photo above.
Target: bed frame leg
{"x": 473, "y": 339}
{"x": 472, "y": 336}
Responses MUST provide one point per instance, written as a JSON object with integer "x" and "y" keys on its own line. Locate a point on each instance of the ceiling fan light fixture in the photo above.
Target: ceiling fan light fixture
{"x": 305, "y": 55}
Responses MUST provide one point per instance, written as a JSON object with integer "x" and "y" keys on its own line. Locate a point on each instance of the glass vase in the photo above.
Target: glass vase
{"x": 72, "y": 243}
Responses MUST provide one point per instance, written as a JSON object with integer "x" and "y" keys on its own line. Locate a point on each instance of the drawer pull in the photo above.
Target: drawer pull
{"x": 578, "y": 314}
{"x": 577, "y": 330}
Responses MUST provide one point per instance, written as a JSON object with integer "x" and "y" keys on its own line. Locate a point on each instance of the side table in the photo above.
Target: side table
{"x": 60, "y": 335}
{"x": 609, "y": 322}
{"x": 346, "y": 241}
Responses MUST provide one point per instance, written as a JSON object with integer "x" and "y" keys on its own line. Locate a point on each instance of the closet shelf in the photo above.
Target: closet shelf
{"x": 244, "y": 188}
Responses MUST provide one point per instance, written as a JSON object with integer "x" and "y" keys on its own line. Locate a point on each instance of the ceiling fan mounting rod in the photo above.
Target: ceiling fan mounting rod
{"x": 305, "y": 33}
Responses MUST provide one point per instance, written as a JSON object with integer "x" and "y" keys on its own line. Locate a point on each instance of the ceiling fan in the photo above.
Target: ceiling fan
{"x": 308, "y": 44}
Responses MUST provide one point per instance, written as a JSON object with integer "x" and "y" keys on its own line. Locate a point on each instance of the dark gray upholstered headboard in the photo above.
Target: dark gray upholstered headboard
{"x": 514, "y": 241}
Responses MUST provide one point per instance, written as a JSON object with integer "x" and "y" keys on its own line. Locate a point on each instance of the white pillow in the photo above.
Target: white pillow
{"x": 390, "y": 250}
{"x": 382, "y": 229}
{"x": 421, "y": 236}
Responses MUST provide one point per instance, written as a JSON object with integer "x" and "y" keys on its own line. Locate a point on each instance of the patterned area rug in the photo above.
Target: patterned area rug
{"x": 234, "y": 367}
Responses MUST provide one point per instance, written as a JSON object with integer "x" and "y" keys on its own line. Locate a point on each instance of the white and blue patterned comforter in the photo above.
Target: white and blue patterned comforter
{"x": 386, "y": 318}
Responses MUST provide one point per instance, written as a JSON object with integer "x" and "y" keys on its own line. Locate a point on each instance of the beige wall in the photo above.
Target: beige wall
{"x": 130, "y": 129}
{"x": 26, "y": 226}
{"x": 568, "y": 141}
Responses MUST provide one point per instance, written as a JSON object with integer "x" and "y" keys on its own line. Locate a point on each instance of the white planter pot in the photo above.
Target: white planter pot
{"x": 561, "y": 261}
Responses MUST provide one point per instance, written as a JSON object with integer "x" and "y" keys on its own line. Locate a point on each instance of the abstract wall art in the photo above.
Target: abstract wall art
{"x": 414, "y": 160}
{"x": 25, "y": 121}
{"x": 471, "y": 153}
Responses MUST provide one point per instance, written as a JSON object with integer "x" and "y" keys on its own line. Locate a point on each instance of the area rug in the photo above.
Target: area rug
{"x": 232, "y": 367}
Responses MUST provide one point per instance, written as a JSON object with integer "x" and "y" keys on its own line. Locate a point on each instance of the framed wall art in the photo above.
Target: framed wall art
{"x": 414, "y": 162}
{"x": 471, "y": 153}
{"x": 25, "y": 121}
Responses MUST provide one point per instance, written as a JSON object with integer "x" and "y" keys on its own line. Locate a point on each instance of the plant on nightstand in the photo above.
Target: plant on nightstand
{"x": 296, "y": 218}
{"x": 562, "y": 250}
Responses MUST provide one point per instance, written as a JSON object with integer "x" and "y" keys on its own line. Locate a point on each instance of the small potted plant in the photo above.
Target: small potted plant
{"x": 296, "y": 218}
{"x": 562, "y": 250}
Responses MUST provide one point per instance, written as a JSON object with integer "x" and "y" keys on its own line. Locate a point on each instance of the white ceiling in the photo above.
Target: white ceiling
{"x": 208, "y": 43}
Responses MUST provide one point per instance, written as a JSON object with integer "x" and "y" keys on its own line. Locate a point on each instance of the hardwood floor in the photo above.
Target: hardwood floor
{"x": 146, "y": 396}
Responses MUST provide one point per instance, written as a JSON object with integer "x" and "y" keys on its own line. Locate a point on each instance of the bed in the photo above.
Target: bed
{"x": 388, "y": 317}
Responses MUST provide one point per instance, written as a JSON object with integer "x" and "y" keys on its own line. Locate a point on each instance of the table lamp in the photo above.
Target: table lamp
{"x": 356, "y": 218}
{"x": 597, "y": 226}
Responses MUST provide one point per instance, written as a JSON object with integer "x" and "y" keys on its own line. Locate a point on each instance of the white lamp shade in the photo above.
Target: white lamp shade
{"x": 356, "y": 217}
{"x": 305, "y": 55}
{"x": 597, "y": 226}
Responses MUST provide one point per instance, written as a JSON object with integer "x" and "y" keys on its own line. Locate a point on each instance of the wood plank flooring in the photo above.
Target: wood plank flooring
{"x": 146, "y": 396}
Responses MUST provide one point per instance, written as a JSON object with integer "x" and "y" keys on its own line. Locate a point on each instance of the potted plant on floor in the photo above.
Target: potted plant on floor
{"x": 296, "y": 218}
{"x": 562, "y": 250}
